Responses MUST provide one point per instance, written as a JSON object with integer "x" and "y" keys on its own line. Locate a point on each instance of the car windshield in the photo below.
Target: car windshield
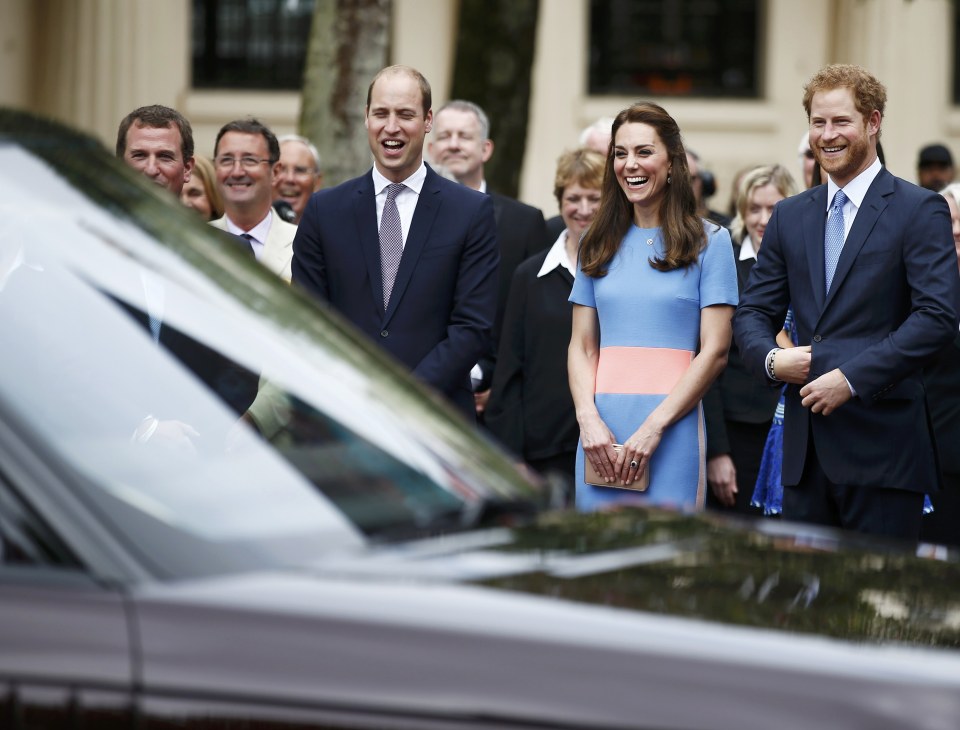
{"x": 190, "y": 393}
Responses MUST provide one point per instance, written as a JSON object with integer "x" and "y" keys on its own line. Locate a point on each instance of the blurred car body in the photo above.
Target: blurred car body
{"x": 310, "y": 539}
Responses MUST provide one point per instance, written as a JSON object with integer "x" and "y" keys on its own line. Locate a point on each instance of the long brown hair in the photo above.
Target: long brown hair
{"x": 683, "y": 231}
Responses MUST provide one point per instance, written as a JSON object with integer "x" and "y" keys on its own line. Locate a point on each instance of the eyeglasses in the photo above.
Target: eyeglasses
{"x": 247, "y": 162}
{"x": 298, "y": 171}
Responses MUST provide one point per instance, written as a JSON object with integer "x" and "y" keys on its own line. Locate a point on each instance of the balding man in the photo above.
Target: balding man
{"x": 461, "y": 144}
{"x": 300, "y": 174}
{"x": 407, "y": 256}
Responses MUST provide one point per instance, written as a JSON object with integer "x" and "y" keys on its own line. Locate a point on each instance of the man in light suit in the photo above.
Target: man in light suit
{"x": 407, "y": 256}
{"x": 461, "y": 144}
{"x": 246, "y": 157}
{"x": 871, "y": 275}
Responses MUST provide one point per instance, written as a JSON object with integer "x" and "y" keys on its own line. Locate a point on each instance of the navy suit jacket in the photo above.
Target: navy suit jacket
{"x": 893, "y": 304}
{"x": 442, "y": 307}
{"x": 520, "y": 234}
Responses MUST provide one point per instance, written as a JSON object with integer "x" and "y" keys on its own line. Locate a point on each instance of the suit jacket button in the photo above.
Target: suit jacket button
{"x": 817, "y": 338}
{"x": 384, "y": 333}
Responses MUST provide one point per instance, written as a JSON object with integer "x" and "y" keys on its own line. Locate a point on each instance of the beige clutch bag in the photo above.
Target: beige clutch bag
{"x": 590, "y": 476}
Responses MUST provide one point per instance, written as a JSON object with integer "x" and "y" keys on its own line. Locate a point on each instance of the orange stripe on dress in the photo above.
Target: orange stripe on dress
{"x": 640, "y": 370}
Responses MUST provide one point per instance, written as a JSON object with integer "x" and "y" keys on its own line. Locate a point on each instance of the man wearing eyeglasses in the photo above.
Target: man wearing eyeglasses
{"x": 300, "y": 173}
{"x": 246, "y": 157}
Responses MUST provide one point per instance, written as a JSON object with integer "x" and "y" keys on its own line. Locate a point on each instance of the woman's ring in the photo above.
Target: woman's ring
{"x": 634, "y": 464}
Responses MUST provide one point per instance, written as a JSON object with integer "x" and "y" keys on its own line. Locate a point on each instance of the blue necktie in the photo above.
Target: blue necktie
{"x": 391, "y": 241}
{"x": 247, "y": 244}
{"x": 833, "y": 238}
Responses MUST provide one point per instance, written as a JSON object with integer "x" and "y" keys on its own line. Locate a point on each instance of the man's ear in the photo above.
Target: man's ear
{"x": 873, "y": 122}
{"x": 187, "y": 169}
{"x": 487, "y": 152}
{"x": 428, "y": 121}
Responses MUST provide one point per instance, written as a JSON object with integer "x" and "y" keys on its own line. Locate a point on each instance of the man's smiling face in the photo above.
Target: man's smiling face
{"x": 843, "y": 141}
{"x": 396, "y": 125}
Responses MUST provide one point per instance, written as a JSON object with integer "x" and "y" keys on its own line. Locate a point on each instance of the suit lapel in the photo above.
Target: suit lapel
{"x": 744, "y": 267}
{"x": 275, "y": 253}
{"x": 423, "y": 216}
{"x": 365, "y": 220}
{"x": 813, "y": 227}
{"x": 873, "y": 204}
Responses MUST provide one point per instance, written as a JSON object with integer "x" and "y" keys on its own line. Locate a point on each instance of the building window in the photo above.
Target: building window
{"x": 250, "y": 44}
{"x": 703, "y": 48}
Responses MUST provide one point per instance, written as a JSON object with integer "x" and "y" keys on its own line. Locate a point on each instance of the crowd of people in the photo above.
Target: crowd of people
{"x": 797, "y": 357}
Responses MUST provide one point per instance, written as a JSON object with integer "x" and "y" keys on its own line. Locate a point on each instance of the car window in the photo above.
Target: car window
{"x": 25, "y": 540}
{"x": 196, "y": 398}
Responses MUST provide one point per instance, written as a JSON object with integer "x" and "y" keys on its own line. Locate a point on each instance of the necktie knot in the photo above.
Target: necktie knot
{"x": 393, "y": 190}
{"x": 839, "y": 200}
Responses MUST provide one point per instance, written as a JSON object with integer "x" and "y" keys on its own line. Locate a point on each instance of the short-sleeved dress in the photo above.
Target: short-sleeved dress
{"x": 649, "y": 334}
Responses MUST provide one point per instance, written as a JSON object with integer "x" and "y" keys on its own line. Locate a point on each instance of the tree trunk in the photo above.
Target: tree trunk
{"x": 495, "y": 46}
{"x": 349, "y": 44}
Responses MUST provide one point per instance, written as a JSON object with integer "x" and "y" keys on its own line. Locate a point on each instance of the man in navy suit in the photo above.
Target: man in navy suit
{"x": 407, "y": 256}
{"x": 871, "y": 274}
{"x": 461, "y": 144}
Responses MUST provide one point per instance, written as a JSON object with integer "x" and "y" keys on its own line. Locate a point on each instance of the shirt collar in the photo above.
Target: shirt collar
{"x": 747, "y": 251}
{"x": 414, "y": 182}
{"x": 557, "y": 256}
{"x": 856, "y": 189}
{"x": 259, "y": 231}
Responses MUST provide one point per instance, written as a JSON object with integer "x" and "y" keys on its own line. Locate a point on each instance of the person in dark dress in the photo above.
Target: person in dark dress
{"x": 530, "y": 409}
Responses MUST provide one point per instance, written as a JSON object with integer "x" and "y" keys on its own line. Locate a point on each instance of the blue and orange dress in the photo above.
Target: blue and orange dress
{"x": 649, "y": 335}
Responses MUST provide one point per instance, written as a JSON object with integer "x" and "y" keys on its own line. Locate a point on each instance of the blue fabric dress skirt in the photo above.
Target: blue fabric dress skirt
{"x": 649, "y": 334}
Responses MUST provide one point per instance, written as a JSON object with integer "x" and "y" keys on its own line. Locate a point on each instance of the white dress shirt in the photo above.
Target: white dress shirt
{"x": 406, "y": 200}
{"x": 557, "y": 256}
{"x": 259, "y": 232}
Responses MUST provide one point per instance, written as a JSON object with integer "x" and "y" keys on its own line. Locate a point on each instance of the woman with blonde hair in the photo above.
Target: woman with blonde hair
{"x": 653, "y": 298}
{"x": 201, "y": 192}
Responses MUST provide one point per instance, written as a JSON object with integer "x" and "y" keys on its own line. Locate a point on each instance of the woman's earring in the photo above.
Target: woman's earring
{"x": 668, "y": 179}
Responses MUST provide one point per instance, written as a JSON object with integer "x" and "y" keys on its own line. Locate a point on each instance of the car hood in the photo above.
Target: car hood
{"x": 647, "y": 611}
{"x": 763, "y": 573}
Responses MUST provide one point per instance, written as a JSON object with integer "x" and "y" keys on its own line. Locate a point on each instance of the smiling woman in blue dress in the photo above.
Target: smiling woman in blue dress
{"x": 654, "y": 293}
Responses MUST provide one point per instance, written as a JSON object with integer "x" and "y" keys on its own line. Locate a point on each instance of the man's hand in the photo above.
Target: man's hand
{"x": 826, "y": 394}
{"x": 792, "y": 365}
{"x": 480, "y": 400}
{"x": 722, "y": 478}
